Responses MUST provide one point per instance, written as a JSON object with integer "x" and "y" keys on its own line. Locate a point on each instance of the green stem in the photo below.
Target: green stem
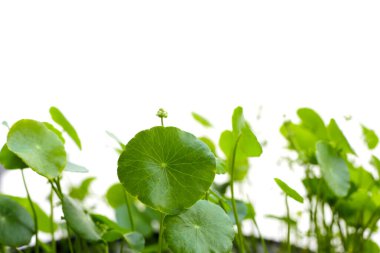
{"x": 51, "y": 199}
{"x": 160, "y": 239}
{"x": 341, "y": 235}
{"x": 162, "y": 121}
{"x": 69, "y": 239}
{"x": 289, "y": 246}
{"x": 2, "y": 248}
{"x": 240, "y": 232}
{"x": 58, "y": 190}
{"x": 106, "y": 249}
{"x": 263, "y": 244}
{"x": 122, "y": 247}
{"x": 127, "y": 202}
{"x": 37, "y": 246}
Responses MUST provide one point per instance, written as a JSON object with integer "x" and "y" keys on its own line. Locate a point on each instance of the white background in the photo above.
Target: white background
{"x": 109, "y": 65}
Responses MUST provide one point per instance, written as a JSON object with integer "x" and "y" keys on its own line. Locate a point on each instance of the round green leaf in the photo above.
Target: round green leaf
{"x": 166, "y": 168}
{"x": 38, "y": 147}
{"x": 205, "y": 227}
{"x": 333, "y": 169}
{"x": 16, "y": 224}
{"x": 79, "y": 221}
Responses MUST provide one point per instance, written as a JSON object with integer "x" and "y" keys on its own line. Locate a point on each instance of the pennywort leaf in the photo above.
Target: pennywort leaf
{"x": 166, "y": 168}
{"x": 288, "y": 190}
{"x": 333, "y": 169}
{"x": 38, "y": 147}
{"x": 205, "y": 227}
{"x": 61, "y": 120}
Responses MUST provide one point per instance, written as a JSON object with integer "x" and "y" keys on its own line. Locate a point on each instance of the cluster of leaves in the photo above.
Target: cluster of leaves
{"x": 166, "y": 177}
{"x": 343, "y": 197}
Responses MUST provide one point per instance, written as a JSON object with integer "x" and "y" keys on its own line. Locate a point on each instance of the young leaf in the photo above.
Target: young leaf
{"x": 72, "y": 167}
{"x": 205, "y": 227}
{"x": 288, "y": 190}
{"x": 312, "y": 121}
{"x": 370, "y": 137}
{"x": 200, "y": 119}
{"x": 61, "y": 120}
{"x": 79, "y": 221}
{"x": 10, "y": 160}
{"x": 38, "y": 147}
{"x": 81, "y": 191}
{"x": 166, "y": 168}
{"x": 333, "y": 169}
{"x": 16, "y": 224}
{"x": 337, "y": 137}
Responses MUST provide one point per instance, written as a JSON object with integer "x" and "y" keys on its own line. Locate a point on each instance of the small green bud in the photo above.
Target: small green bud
{"x": 162, "y": 113}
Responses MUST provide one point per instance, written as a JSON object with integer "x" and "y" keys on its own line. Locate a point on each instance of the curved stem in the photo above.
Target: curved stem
{"x": 289, "y": 246}
{"x": 51, "y": 200}
{"x": 127, "y": 202}
{"x": 37, "y": 246}
{"x": 160, "y": 238}
{"x": 240, "y": 232}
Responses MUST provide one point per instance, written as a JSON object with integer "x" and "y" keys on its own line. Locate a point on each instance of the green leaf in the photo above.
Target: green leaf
{"x": 38, "y": 147}
{"x": 370, "y": 137}
{"x": 226, "y": 142}
{"x": 242, "y": 210}
{"x": 312, "y": 121}
{"x": 284, "y": 219}
{"x": 202, "y": 120}
{"x": 370, "y": 247}
{"x": 16, "y": 224}
{"x": 361, "y": 178}
{"x": 301, "y": 140}
{"x": 288, "y": 190}
{"x": 72, "y": 167}
{"x": 375, "y": 162}
{"x": 209, "y": 143}
{"x": 333, "y": 169}
{"x": 221, "y": 166}
{"x": 82, "y": 191}
{"x": 43, "y": 219}
{"x": 61, "y": 120}
{"x": 115, "y": 195}
{"x": 10, "y": 160}
{"x": 337, "y": 137}
{"x": 55, "y": 130}
{"x": 135, "y": 241}
{"x": 166, "y": 168}
{"x": 141, "y": 219}
{"x": 205, "y": 227}
{"x": 238, "y": 122}
{"x": 79, "y": 221}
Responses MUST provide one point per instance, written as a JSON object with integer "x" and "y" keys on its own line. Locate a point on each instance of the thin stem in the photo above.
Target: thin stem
{"x": 289, "y": 246}
{"x": 160, "y": 239}
{"x": 122, "y": 247}
{"x": 263, "y": 244}
{"x": 106, "y": 249}
{"x": 240, "y": 232}
{"x": 127, "y": 202}
{"x": 51, "y": 199}
{"x": 69, "y": 239}
{"x": 37, "y": 246}
{"x": 162, "y": 121}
